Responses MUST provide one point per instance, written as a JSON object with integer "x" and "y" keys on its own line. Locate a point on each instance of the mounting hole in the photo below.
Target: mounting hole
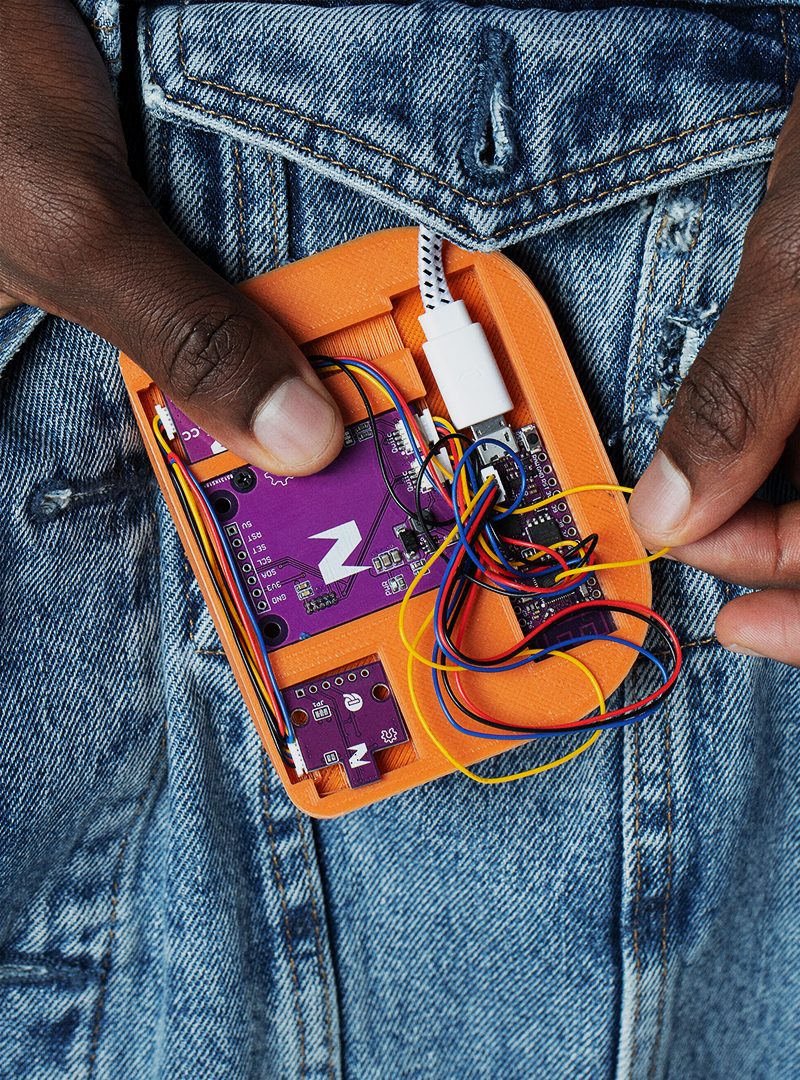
{"x": 298, "y": 717}
{"x": 274, "y": 629}
{"x": 381, "y": 692}
{"x": 225, "y": 505}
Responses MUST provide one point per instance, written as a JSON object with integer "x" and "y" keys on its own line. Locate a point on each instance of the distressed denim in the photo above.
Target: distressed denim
{"x": 165, "y": 913}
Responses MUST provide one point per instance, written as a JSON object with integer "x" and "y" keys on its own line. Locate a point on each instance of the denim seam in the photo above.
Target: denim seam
{"x": 238, "y": 165}
{"x": 662, "y": 992}
{"x": 440, "y": 214}
{"x": 189, "y": 579}
{"x": 430, "y": 176}
{"x": 786, "y": 56}
{"x": 106, "y": 961}
{"x": 638, "y": 843}
{"x": 318, "y": 938}
{"x": 16, "y": 330}
{"x": 653, "y": 262}
{"x": 275, "y": 238}
{"x": 287, "y": 925}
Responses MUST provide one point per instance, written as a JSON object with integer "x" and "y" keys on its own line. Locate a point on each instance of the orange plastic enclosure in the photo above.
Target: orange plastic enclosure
{"x": 362, "y": 299}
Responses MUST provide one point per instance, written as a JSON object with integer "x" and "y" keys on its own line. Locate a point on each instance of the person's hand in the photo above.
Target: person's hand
{"x": 735, "y": 416}
{"x": 79, "y": 239}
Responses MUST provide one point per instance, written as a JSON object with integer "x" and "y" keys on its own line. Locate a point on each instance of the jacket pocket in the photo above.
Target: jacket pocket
{"x": 490, "y": 124}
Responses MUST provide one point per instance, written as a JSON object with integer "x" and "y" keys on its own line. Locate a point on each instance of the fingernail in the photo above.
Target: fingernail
{"x": 734, "y": 647}
{"x": 295, "y": 424}
{"x": 660, "y": 501}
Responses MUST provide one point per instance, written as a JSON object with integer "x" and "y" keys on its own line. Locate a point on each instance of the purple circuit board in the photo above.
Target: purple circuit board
{"x": 319, "y": 551}
{"x": 344, "y": 719}
{"x": 547, "y": 526}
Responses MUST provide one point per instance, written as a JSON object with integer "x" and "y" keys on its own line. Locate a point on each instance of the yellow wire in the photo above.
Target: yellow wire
{"x": 213, "y": 562}
{"x": 513, "y": 776}
{"x": 590, "y": 569}
{"x": 570, "y": 491}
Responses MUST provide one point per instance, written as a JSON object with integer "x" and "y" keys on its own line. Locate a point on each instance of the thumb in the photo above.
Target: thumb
{"x": 740, "y": 400}
{"x": 222, "y": 359}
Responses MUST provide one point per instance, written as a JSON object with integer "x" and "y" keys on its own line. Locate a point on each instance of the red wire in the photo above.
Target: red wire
{"x": 217, "y": 544}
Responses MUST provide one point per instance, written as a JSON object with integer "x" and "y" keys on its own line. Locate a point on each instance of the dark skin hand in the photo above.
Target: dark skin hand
{"x": 735, "y": 417}
{"x": 79, "y": 239}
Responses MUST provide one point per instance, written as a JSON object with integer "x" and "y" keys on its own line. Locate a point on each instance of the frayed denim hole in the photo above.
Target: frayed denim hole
{"x": 684, "y": 328}
{"x": 57, "y": 496}
{"x": 28, "y": 973}
{"x": 491, "y": 151}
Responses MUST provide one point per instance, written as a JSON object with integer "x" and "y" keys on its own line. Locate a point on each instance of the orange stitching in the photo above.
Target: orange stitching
{"x": 320, "y": 960}
{"x": 667, "y": 894}
{"x": 241, "y": 207}
{"x": 444, "y": 217}
{"x": 711, "y": 640}
{"x": 786, "y": 60}
{"x": 430, "y": 176}
{"x": 274, "y": 209}
{"x": 287, "y": 926}
{"x": 637, "y": 956}
{"x": 106, "y": 961}
{"x": 646, "y": 315}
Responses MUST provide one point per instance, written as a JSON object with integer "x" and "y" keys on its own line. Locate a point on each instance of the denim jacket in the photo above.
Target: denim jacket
{"x": 164, "y": 911}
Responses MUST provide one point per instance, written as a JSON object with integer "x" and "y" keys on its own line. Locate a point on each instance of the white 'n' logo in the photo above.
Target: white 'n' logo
{"x": 347, "y": 539}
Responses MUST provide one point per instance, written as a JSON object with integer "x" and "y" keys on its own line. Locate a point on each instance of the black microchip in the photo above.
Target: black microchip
{"x": 410, "y": 542}
{"x": 544, "y": 532}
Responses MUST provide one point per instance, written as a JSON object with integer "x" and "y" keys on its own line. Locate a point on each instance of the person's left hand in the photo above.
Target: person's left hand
{"x": 736, "y": 415}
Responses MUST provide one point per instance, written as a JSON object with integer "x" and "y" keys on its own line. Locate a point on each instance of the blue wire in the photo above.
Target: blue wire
{"x": 412, "y": 438}
{"x": 245, "y": 605}
{"x": 524, "y": 736}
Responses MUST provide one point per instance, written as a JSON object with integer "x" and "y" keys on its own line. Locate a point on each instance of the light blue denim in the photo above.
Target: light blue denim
{"x": 165, "y": 913}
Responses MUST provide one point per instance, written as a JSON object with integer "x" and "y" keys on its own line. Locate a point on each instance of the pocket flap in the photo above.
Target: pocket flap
{"x": 490, "y": 124}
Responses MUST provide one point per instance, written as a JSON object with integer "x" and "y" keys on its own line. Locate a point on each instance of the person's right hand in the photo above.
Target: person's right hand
{"x": 79, "y": 239}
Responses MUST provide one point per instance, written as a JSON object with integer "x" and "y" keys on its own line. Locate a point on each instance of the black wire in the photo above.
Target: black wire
{"x": 627, "y": 714}
{"x": 420, "y": 513}
{"x": 372, "y": 423}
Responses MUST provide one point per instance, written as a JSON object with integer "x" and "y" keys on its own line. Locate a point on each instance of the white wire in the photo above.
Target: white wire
{"x": 432, "y": 280}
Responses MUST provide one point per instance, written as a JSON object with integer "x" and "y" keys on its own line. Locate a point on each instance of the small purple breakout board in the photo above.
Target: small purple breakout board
{"x": 344, "y": 719}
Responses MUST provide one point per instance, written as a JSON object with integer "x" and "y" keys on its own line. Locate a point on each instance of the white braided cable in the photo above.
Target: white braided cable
{"x": 432, "y": 280}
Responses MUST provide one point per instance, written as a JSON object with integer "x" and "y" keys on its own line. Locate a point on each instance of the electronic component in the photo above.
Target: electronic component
{"x": 409, "y": 539}
{"x": 305, "y": 542}
{"x": 344, "y": 720}
{"x": 310, "y": 564}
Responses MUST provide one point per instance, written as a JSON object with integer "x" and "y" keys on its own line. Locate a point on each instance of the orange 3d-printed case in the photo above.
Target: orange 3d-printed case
{"x": 362, "y": 299}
